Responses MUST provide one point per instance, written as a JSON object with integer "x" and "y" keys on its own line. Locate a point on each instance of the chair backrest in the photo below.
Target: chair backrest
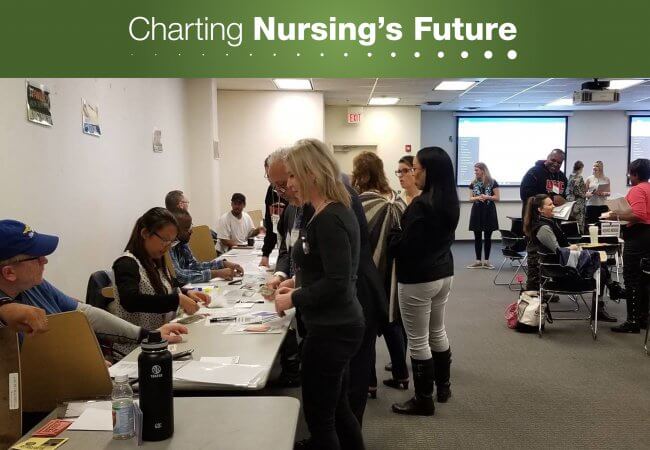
{"x": 257, "y": 217}
{"x": 97, "y": 282}
{"x": 550, "y": 267}
{"x": 63, "y": 364}
{"x": 169, "y": 264}
{"x": 512, "y": 242}
{"x": 517, "y": 226}
{"x": 201, "y": 243}
{"x": 570, "y": 229}
{"x": 10, "y": 396}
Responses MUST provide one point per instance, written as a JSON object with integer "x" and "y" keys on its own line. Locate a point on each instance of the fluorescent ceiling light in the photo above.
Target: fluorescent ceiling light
{"x": 383, "y": 101}
{"x": 293, "y": 84}
{"x": 561, "y": 102}
{"x": 454, "y": 85}
{"x": 622, "y": 84}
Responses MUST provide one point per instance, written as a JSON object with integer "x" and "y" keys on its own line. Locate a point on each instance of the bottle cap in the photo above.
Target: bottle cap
{"x": 121, "y": 378}
{"x": 154, "y": 341}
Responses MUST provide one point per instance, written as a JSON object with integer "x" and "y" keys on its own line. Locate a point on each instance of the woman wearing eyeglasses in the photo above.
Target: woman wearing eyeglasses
{"x": 146, "y": 294}
{"x": 425, "y": 269}
{"x": 406, "y": 178}
{"x": 326, "y": 260}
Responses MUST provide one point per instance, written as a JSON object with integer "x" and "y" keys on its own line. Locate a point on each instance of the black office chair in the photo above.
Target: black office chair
{"x": 556, "y": 279}
{"x": 514, "y": 251}
{"x": 645, "y": 267}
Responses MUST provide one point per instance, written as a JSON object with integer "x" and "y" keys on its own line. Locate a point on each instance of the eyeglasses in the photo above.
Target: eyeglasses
{"x": 164, "y": 241}
{"x": 33, "y": 258}
{"x": 402, "y": 172}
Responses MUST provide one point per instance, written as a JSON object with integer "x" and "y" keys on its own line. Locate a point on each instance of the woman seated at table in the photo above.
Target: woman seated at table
{"x": 546, "y": 236}
{"x": 146, "y": 294}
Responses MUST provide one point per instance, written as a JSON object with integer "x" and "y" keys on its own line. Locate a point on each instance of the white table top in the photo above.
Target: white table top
{"x": 259, "y": 349}
{"x": 233, "y": 423}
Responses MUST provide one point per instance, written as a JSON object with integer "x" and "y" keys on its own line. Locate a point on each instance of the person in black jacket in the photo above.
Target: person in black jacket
{"x": 545, "y": 177}
{"x": 274, "y": 204}
{"x": 325, "y": 260}
{"x": 425, "y": 269}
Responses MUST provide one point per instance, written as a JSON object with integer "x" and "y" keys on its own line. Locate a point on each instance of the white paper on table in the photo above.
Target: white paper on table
{"x": 96, "y": 417}
{"x": 244, "y": 305}
{"x": 220, "y": 359}
{"x": 221, "y": 374}
{"x": 130, "y": 368}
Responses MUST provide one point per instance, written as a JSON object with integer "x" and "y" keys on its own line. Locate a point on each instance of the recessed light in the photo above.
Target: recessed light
{"x": 561, "y": 102}
{"x": 623, "y": 84}
{"x": 293, "y": 84}
{"x": 383, "y": 101}
{"x": 454, "y": 85}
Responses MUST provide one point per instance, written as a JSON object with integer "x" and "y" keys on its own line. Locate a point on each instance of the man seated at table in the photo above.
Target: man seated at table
{"x": 22, "y": 263}
{"x": 236, "y": 227}
{"x": 186, "y": 266}
{"x": 177, "y": 201}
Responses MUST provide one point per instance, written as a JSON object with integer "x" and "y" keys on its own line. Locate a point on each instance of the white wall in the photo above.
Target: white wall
{"x": 389, "y": 128}
{"x": 89, "y": 190}
{"x": 252, "y": 124}
{"x": 591, "y": 135}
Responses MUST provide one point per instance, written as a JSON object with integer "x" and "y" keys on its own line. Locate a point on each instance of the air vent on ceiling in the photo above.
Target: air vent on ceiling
{"x": 433, "y": 103}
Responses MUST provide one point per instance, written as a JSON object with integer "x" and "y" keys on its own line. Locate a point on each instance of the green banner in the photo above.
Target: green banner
{"x": 335, "y": 38}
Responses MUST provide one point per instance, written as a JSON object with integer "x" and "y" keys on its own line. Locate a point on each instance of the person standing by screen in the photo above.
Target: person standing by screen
{"x": 545, "y": 177}
{"x": 483, "y": 193}
{"x": 598, "y": 189}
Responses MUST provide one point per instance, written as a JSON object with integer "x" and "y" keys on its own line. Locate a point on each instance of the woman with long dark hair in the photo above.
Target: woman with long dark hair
{"x": 146, "y": 293}
{"x": 406, "y": 179}
{"x": 425, "y": 269}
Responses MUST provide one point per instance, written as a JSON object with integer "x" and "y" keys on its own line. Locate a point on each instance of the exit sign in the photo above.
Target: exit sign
{"x": 354, "y": 115}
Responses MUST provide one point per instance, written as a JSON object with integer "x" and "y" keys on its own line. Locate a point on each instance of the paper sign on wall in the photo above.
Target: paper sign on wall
{"x": 38, "y": 105}
{"x": 157, "y": 140}
{"x": 90, "y": 119}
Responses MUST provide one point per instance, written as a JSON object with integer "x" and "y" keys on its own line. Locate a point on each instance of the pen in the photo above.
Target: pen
{"x": 221, "y": 319}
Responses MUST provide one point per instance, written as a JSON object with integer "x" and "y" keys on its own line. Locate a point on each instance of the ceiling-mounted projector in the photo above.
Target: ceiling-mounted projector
{"x": 595, "y": 92}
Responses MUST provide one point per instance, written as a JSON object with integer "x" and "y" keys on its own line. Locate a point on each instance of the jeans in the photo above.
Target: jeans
{"x": 423, "y": 312}
{"x": 326, "y": 354}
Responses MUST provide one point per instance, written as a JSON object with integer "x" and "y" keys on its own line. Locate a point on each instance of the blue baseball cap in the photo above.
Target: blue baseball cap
{"x": 16, "y": 238}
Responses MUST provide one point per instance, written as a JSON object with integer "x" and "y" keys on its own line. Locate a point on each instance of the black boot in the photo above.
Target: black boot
{"x": 422, "y": 403}
{"x": 442, "y": 367}
{"x": 289, "y": 362}
{"x": 603, "y": 315}
{"x": 631, "y": 325}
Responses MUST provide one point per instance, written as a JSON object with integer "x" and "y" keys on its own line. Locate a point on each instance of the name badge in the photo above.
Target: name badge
{"x": 294, "y": 237}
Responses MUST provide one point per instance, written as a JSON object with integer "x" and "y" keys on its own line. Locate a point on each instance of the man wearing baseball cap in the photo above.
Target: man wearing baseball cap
{"x": 25, "y": 296}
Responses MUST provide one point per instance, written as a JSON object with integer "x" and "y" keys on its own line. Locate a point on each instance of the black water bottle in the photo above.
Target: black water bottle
{"x": 155, "y": 384}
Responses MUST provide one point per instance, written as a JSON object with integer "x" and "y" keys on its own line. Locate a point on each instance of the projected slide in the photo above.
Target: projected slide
{"x": 639, "y": 138}
{"x": 508, "y": 145}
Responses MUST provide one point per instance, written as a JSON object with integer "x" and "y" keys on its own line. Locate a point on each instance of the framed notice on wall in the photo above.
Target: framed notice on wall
{"x": 90, "y": 119}
{"x": 38, "y": 105}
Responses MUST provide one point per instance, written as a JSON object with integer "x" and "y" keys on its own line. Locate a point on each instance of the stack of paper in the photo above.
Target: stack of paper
{"x": 222, "y": 374}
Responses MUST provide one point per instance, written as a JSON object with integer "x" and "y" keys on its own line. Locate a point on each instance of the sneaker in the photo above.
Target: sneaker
{"x": 487, "y": 265}
{"x": 476, "y": 265}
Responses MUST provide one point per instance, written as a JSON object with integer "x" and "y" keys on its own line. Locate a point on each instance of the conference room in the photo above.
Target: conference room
{"x": 88, "y": 182}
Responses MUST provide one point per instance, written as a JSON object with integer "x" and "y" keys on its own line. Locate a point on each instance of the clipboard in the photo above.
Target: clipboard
{"x": 10, "y": 395}
{"x": 64, "y": 364}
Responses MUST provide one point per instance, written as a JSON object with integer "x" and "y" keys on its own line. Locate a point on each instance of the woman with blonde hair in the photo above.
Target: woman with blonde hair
{"x": 383, "y": 209}
{"x": 598, "y": 189}
{"x": 483, "y": 193}
{"x": 326, "y": 259}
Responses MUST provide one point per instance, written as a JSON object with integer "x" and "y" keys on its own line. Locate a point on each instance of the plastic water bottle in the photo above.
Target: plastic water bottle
{"x": 123, "y": 413}
{"x": 156, "y": 393}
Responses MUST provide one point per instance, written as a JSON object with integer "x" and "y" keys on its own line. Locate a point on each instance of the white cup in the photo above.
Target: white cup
{"x": 593, "y": 234}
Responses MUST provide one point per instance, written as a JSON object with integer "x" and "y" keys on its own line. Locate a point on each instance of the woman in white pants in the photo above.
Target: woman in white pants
{"x": 425, "y": 269}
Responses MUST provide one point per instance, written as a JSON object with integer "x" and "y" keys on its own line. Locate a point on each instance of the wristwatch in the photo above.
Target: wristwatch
{"x": 6, "y": 300}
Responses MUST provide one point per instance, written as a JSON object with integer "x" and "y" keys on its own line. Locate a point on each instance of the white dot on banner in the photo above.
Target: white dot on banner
{"x": 322, "y": 54}
{"x": 487, "y": 54}
{"x": 441, "y": 54}
{"x": 131, "y": 54}
{"x": 297, "y": 54}
{"x": 369, "y": 54}
{"x": 393, "y": 54}
{"x": 512, "y": 54}
{"x": 202, "y": 54}
{"x": 416, "y": 54}
{"x": 345, "y": 54}
{"x": 227, "y": 54}
{"x": 464, "y": 54}
{"x": 250, "y": 54}
{"x": 275, "y": 54}
{"x": 155, "y": 54}
{"x": 179, "y": 54}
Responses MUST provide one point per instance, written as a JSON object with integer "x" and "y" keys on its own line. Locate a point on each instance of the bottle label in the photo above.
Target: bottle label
{"x": 123, "y": 420}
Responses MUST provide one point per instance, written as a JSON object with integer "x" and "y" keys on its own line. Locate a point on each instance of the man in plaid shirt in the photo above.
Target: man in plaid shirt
{"x": 186, "y": 266}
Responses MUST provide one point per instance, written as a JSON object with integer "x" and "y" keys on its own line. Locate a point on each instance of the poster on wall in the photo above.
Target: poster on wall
{"x": 157, "y": 140}
{"x": 90, "y": 119}
{"x": 38, "y": 105}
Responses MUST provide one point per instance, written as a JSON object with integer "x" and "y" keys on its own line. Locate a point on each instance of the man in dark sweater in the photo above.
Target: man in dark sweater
{"x": 274, "y": 206}
{"x": 545, "y": 177}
